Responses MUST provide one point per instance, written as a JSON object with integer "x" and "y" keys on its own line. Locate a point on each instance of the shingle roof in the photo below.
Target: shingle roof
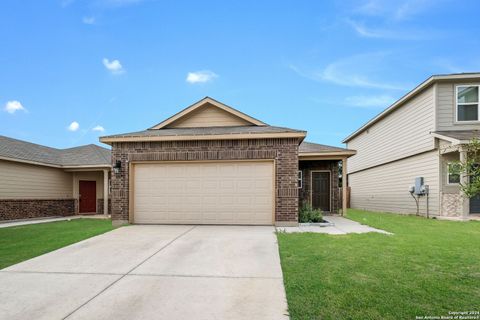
{"x": 460, "y": 134}
{"x": 79, "y": 156}
{"x": 310, "y": 147}
{"x": 204, "y": 131}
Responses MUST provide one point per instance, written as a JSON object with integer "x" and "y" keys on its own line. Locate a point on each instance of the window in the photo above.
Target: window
{"x": 300, "y": 179}
{"x": 467, "y": 103}
{"x": 453, "y": 174}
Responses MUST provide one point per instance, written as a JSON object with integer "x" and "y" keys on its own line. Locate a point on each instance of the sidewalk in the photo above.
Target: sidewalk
{"x": 16, "y": 223}
{"x": 341, "y": 226}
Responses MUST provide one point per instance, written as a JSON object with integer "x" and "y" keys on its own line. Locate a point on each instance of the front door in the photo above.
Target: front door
{"x": 321, "y": 190}
{"x": 475, "y": 204}
{"x": 88, "y": 196}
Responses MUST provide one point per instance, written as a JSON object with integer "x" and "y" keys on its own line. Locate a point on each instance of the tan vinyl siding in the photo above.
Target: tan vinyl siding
{"x": 26, "y": 181}
{"x": 209, "y": 116}
{"x": 446, "y": 116}
{"x": 402, "y": 133}
{"x": 385, "y": 188}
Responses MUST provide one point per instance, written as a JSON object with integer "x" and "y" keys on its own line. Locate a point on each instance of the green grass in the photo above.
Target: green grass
{"x": 427, "y": 268}
{"x": 25, "y": 242}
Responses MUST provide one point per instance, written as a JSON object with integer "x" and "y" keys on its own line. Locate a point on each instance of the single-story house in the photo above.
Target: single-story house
{"x": 212, "y": 164}
{"x": 419, "y": 136}
{"x": 39, "y": 181}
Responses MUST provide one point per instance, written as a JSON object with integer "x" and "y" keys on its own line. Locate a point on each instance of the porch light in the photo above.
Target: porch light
{"x": 117, "y": 166}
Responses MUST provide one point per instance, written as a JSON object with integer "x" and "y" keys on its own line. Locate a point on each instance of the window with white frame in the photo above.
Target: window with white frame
{"x": 453, "y": 173}
{"x": 467, "y": 103}
{"x": 300, "y": 179}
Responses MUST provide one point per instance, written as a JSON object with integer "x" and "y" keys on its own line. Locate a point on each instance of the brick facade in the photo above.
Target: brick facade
{"x": 305, "y": 192}
{"x": 13, "y": 209}
{"x": 100, "y": 206}
{"x": 283, "y": 151}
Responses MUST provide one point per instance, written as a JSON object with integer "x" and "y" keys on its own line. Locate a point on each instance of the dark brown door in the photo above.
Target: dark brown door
{"x": 475, "y": 204}
{"x": 88, "y": 196}
{"x": 321, "y": 190}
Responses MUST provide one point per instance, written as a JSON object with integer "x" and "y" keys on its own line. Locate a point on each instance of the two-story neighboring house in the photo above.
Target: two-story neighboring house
{"x": 417, "y": 136}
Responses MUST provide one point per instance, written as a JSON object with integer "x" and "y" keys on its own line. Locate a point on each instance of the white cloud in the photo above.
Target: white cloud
{"x": 371, "y": 7}
{"x": 118, "y": 3}
{"x": 388, "y": 33}
{"x": 74, "y": 126}
{"x": 113, "y": 66}
{"x": 354, "y": 71}
{"x": 98, "y": 128}
{"x": 363, "y": 31}
{"x": 14, "y": 106}
{"x": 200, "y": 76}
{"x": 88, "y": 20}
{"x": 66, "y": 3}
{"x": 339, "y": 73}
{"x": 395, "y": 10}
{"x": 378, "y": 101}
{"x": 449, "y": 66}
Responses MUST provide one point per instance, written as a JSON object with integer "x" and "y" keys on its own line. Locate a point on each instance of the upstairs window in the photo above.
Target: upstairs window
{"x": 467, "y": 103}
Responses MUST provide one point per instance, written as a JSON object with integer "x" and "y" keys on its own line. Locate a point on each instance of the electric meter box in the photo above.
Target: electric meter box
{"x": 419, "y": 189}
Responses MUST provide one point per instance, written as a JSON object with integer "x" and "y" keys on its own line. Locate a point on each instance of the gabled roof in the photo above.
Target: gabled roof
{"x": 425, "y": 84}
{"x": 310, "y": 149}
{"x": 83, "y": 156}
{"x": 233, "y": 124}
{"x": 208, "y": 101}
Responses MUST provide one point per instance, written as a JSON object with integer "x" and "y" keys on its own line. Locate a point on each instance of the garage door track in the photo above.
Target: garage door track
{"x": 152, "y": 272}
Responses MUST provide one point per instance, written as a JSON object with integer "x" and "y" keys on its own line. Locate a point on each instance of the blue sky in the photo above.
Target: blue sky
{"x": 73, "y": 70}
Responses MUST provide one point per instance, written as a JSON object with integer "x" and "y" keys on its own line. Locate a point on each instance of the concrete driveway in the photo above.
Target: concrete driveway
{"x": 152, "y": 272}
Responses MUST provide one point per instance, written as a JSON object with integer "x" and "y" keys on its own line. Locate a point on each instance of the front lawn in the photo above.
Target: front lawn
{"x": 427, "y": 268}
{"x": 25, "y": 242}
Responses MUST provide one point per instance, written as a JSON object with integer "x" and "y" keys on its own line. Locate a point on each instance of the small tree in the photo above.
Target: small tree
{"x": 469, "y": 168}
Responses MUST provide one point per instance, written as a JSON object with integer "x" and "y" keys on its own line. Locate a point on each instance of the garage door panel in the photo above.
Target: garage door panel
{"x": 204, "y": 193}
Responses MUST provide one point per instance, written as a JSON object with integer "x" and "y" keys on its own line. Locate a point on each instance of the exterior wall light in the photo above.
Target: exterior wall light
{"x": 117, "y": 166}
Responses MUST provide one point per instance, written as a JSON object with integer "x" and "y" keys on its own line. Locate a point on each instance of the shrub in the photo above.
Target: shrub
{"x": 308, "y": 214}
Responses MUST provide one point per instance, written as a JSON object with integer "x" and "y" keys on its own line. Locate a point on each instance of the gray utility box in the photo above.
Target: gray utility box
{"x": 419, "y": 189}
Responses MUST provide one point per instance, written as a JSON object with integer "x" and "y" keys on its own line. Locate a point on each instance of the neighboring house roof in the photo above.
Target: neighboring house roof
{"x": 458, "y": 136}
{"x": 433, "y": 79}
{"x": 310, "y": 149}
{"x": 231, "y": 124}
{"x": 83, "y": 156}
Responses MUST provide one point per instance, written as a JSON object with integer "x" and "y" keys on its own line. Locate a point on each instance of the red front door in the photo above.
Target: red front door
{"x": 88, "y": 196}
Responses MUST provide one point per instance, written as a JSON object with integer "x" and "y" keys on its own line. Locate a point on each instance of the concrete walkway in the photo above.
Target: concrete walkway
{"x": 17, "y": 223}
{"x": 152, "y": 272}
{"x": 342, "y": 226}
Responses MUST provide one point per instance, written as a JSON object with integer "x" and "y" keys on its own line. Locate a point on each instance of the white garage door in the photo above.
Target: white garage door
{"x": 203, "y": 193}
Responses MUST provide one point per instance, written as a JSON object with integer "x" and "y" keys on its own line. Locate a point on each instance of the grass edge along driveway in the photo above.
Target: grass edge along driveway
{"x": 427, "y": 268}
{"x": 21, "y": 243}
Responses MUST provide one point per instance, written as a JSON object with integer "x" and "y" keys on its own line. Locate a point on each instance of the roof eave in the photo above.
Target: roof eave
{"x": 92, "y": 166}
{"x": 301, "y": 135}
{"x": 454, "y": 141}
{"x": 330, "y": 154}
{"x": 51, "y": 165}
{"x": 38, "y": 163}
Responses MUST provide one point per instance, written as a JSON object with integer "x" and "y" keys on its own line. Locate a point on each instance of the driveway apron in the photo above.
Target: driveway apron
{"x": 152, "y": 272}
